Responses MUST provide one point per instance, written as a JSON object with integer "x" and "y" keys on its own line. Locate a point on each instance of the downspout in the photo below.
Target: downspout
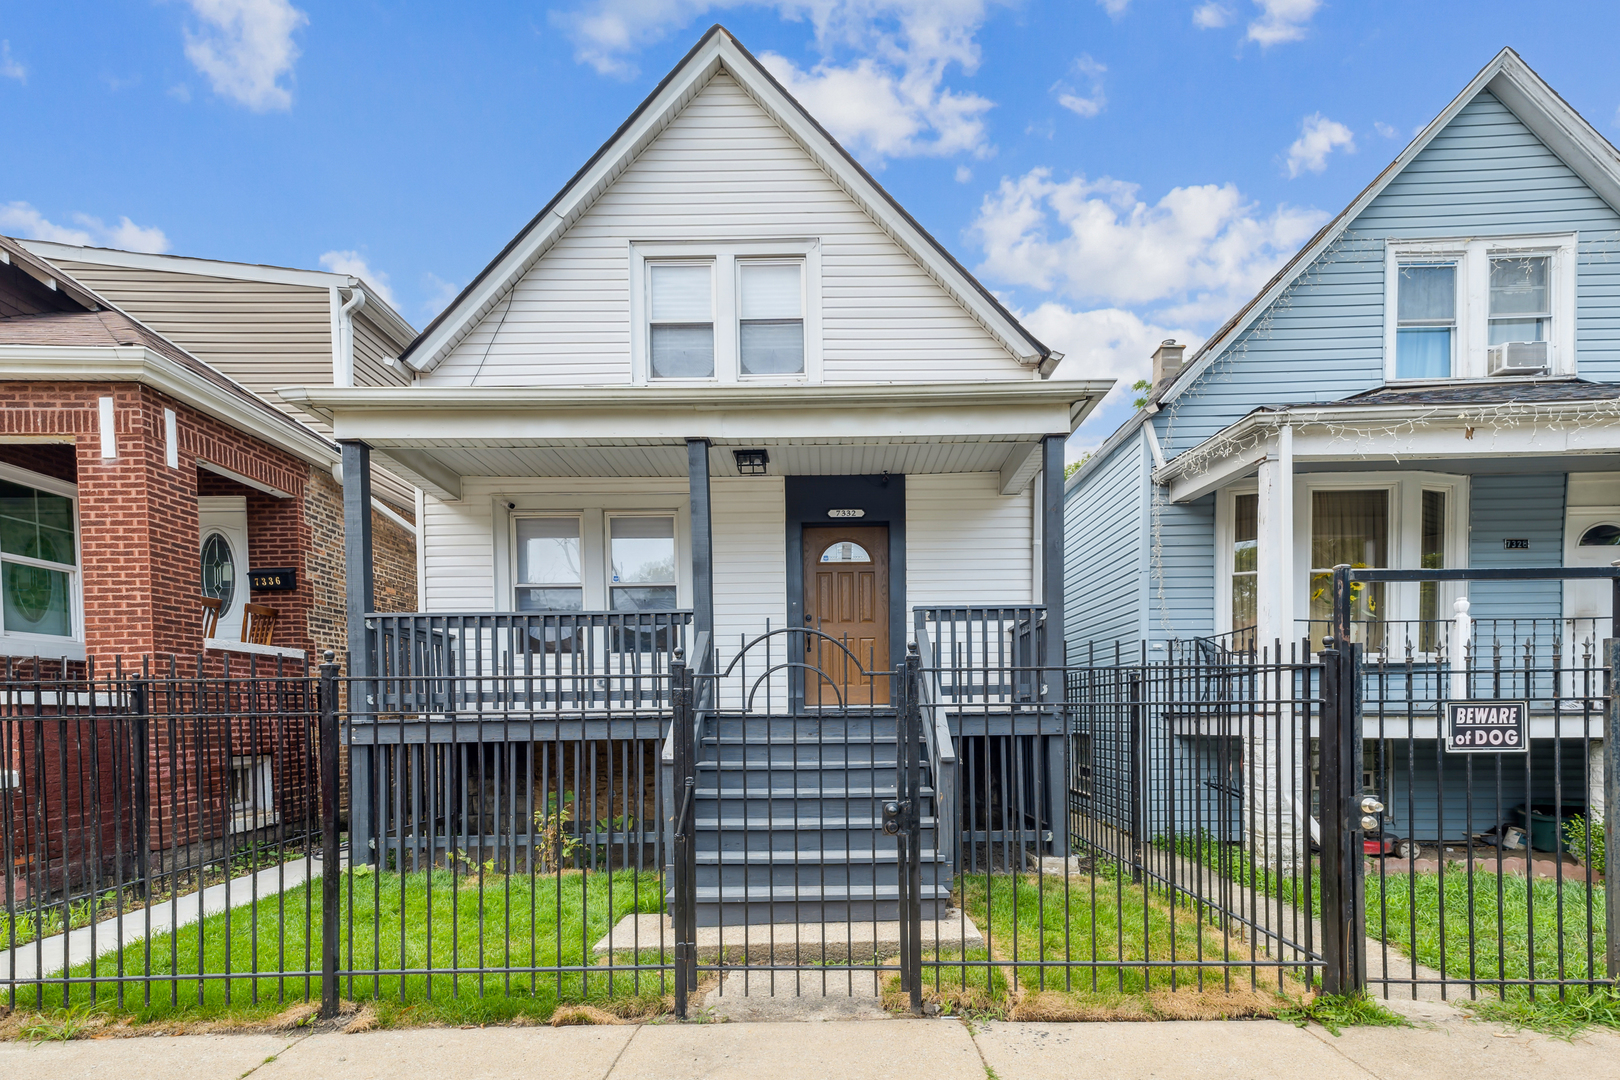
{"x": 344, "y": 373}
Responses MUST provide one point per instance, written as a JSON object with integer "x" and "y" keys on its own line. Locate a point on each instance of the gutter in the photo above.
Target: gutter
{"x": 343, "y": 368}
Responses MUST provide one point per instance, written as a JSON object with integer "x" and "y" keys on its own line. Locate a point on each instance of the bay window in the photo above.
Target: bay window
{"x": 1406, "y": 521}
{"x": 39, "y": 561}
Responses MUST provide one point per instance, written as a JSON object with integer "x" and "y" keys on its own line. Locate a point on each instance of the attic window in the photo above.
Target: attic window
{"x": 681, "y": 323}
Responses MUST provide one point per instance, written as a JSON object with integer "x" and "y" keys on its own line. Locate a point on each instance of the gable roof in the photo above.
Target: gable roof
{"x": 1537, "y": 105}
{"x": 1548, "y": 116}
{"x": 717, "y": 50}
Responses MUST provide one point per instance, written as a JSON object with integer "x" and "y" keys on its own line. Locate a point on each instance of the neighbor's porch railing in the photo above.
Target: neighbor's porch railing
{"x": 565, "y": 661}
{"x": 987, "y": 659}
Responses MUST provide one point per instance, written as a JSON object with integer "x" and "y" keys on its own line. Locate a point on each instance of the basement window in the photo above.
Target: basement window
{"x": 253, "y": 800}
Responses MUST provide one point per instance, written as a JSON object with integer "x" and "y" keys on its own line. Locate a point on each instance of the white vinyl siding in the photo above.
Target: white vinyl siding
{"x": 966, "y": 543}
{"x": 724, "y": 171}
{"x": 749, "y": 515}
{"x": 457, "y": 542}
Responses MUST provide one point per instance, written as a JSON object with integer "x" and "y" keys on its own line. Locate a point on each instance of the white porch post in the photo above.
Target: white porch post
{"x": 1272, "y": 758}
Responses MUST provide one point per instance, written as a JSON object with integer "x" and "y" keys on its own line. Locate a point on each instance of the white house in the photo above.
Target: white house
{"x": 724, "y": 373}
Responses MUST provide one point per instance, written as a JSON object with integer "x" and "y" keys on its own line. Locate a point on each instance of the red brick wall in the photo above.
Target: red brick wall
{"x": 49, "y": 459}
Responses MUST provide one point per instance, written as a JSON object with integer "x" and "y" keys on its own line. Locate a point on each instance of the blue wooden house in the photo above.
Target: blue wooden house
{"x": 1432, "y": 381}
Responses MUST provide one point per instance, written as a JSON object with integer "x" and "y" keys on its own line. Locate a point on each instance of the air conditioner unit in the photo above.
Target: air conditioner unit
{"x": 1517, "y": 358}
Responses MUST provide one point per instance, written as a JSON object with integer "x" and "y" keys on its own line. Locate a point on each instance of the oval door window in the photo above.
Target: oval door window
{"x": 845, "y": 551}
{"x": 219, "y": 570}
{"x": 1601, "y": 536}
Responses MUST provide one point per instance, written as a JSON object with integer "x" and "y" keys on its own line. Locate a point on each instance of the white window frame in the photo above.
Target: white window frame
{"x": 1405, "y": 540}
{"x": 1473, "y": 258}
{"x": 69, "y": 648}
{"x": 607, "y": 552}
{"x": 593, "y": 512}
{"x": 723, "y": 256}
{"x": 584, "y": 560}
{"x": 260, "y": 774}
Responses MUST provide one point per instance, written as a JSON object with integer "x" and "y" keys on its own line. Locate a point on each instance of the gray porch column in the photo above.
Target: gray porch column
{"x": 697, "y": 473}
{"x": 1053, "y": 675}
{"x": 359, "y": 586}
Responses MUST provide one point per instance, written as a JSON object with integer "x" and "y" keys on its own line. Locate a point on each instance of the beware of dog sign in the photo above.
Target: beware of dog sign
{"x": 1487, "y": 727}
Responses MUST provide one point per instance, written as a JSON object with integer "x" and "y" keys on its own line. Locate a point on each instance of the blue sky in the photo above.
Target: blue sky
{"x": 1117, "y": 170}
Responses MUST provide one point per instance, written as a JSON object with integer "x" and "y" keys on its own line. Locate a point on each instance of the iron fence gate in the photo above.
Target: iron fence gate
{"x": 1463, "y": 796}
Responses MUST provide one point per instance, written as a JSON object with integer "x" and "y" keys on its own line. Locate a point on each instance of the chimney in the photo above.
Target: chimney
{"x": 1167, "y": 359}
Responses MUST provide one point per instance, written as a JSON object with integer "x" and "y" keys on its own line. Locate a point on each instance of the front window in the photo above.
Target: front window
{"x": 1245, "y": 567}
{"x": 1520, "y": 312}
{"x": 1425, "y": 340}
{"x": 549, "y": 576}
{"x": 1432, "y": 553}
{"x": 642, "y": 563}
{"x": 681, "y": 322}
{"x": 1349, "y": 527}
{"x": 38, "y": 561}
{"x": 770, "y": 310}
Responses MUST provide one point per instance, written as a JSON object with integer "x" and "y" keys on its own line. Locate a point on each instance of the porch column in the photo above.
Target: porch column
{"x": 697, "y": 476}
{"x": 1275, "y": 528}
{"x": 1053, "y": 676}
{"x": 360, "y": 589}
{"x": 1273, "y": 752}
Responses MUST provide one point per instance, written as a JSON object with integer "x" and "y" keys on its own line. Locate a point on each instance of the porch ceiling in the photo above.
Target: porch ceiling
{"x": 438, "y": 465}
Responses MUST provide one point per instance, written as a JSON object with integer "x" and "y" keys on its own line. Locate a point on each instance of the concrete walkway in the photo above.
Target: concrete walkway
{"x": 941, "y": 1049}
{"x": 50, "y": 955}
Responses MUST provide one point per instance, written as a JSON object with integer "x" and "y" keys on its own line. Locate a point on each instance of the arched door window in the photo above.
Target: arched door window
{"x": 1605, "y": 535}
{"x": 845, "y": 551}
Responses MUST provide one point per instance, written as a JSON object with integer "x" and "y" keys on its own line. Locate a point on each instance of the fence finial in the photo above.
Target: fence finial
{"x": 329, "y": 656}
{"x": 911, "y": 649}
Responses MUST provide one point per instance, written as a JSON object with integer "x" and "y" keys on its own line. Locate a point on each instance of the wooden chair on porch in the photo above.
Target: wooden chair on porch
{"x": 258, "y": 624}
{"x": 211, "y": 606}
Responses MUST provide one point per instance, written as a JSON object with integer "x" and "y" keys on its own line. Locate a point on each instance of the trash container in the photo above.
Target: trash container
{"x": 1542, "y": 825}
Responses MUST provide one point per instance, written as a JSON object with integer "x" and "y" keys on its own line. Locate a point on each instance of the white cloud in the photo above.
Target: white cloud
{"x": 889, "y": 97}
{"x": 1193, "y": 255}
{"x": 354, "y": 264}
{"x": 1318, "y": 137}
{"x": 1282, "y": 20}
{"x": 439, "y": 294}
{"x": 963, "y": 174}
{"x": 21, "y": 219}
{"x": 244, "y": 47}
{"x": 1070, "y": 99}
{"x": 11, "y": 68}
{"x": 1211, "y": 16}
{"x": 1386, "y": 130}
{"x": 1115, "y": 8}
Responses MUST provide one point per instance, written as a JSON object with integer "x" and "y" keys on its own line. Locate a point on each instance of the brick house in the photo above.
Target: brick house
{"x": 144, "y": 497}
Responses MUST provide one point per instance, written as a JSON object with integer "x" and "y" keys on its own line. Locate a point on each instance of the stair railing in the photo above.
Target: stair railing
{"x": 942, "y": 763}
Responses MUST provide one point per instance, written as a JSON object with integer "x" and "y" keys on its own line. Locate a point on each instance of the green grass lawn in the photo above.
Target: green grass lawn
{"x": 1116, "y": 932}
{"x": 1514, "y": 936}
{"x": 402, "y": 922}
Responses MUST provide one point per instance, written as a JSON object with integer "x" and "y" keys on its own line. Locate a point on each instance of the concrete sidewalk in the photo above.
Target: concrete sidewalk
{"x": 941, "y": 1049}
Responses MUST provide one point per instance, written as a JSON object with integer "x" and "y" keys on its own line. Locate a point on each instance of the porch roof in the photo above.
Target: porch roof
{"x": 437, "y": 435}
{"x": 1451, "y": 427}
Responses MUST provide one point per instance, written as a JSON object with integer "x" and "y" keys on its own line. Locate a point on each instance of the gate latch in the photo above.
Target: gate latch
{"x": 891, "y": 817}
{"x": 1370, "y": 809}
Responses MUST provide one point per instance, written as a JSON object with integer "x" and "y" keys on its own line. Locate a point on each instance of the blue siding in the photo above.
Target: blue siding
{"x": 1521, "y": 507}
{"x": 1485, "y": 174}
{"x": 1105, "y": 521}
{"x": 1182, "y": 596}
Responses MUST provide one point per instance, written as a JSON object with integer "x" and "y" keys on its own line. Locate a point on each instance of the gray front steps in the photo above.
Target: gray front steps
{"x": 788, "y": 817}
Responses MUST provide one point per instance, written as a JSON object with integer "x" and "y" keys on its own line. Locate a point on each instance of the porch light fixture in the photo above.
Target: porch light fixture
{"x": 751, "y": 462}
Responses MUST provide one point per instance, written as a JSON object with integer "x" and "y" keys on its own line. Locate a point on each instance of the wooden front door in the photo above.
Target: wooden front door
{"x": 846, "y": 595}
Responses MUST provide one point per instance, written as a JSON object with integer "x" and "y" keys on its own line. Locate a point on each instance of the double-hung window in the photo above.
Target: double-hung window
{"x": 1426, "y": 340}
{"x": 641, "y": 563}
{"x": 1470, "y": 308}
{"x": 681, "y": 320}
{"x": 727, "y": 311}
{"x": 770, "y": 309}
{"x": 549, "y": 569}
{"x": 39, "y": 564}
